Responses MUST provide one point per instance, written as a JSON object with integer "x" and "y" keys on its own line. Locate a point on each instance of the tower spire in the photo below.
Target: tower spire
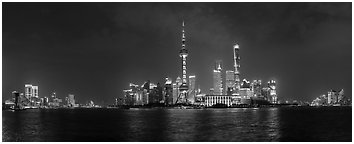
{"x": 183, "y": 53}
{"x": 183, "y": 36}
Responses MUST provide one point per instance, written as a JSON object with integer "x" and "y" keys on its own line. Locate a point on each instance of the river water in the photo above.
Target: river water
{"x": 290, "y": 124}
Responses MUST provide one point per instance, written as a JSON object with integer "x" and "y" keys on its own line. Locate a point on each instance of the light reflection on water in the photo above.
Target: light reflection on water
{"x": 206, "y": 125}
{"x": 234, "y": 124}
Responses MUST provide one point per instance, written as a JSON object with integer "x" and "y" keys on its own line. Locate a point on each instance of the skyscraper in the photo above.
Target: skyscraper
{"x": 16, "y": 95}
{"x": 237, "y": 68}
{"x": 192, "y": 82}
{"x": 341, "y": 96}
{"x": 183, "y": 53}
{"x": 332, "y": 97}
{"x": 174, "y": 92}
{"x": 71, "y": 100}
{"x": 230, "y": 82}
{"x": 245, "y": 89}
{"x": 257, "y": 88}
{"x": 168, "y": 92}
{"x": 217, "y": 77}
{"x": 273, "y": 92}
{"x": 192, "y": 89}
{"x": 31, "y": 93}
{"x": 178, "y": 82}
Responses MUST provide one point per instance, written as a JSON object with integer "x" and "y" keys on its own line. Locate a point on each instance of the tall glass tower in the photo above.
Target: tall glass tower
{"x": 237, "y": 68}
{"x": 218, "y": 90}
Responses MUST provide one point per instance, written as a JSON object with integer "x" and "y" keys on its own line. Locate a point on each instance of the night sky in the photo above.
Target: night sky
{"x": 94, "y": 50}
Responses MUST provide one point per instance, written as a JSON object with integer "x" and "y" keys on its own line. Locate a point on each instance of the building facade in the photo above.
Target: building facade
{"x": 192, "y": 92}
{"x": 222, "y": 100}
{"x": 168, "y": 91}
{"x": 71, "y": 100}
{"x": 229, "y": 82}
{"x": 272, "y": 91}
{"x": 237, "y": 66}
{"x": 257, "y": 88}
{"x": 31, "y": 93}
{"x": 217, "y": 77}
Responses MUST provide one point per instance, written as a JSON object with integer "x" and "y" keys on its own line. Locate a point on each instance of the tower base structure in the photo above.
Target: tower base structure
{"x": 182, "y": 98}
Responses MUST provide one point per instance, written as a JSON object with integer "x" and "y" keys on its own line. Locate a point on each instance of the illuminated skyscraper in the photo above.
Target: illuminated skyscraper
{"x": 174, "y": 92}
{"x": 341, "y": 96}
{"x": 183, "y": 53}
{"x": 168, "y": 92}
{"x": 230, "y": 82}
{"x": 237, "y": 68}
{"x": 332, "y": 97}
{"x": 218, "y": 90}
{"x": 192, "y": 90}
{"x": 192, "y": 82}
{"x": 175, "y": 89}
{"x": 245, "y": 89}
{"x": 273, "y": 92}
{"x": 16, "y": 95}
{"x": 178, "y": 82}
{"x": 257, "y": 88}
{"x": 31, "y": 93}
{"x": 71, "y": 100}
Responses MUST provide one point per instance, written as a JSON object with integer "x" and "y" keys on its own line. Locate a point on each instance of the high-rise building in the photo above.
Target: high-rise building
{"x": 266, "y": 93}
{"x": 192, "y": 90}
{"x": 28, "y": 91}
{"x": 134, "y": 95}
{"x": 230, "y": 82}
{"x": 237, "y": 68}
{"x": 245, "y": 90}
{"x": 183, "y": 53}
{"x": 145, "y": 96}
{"x": 176, "y": 87}
{"x": 341, "y": 96}
{"x": 168, "y": 92}
{"x": 159, "y": 98}
{"x": 16, "y": 95}
{"x": 332, "y": 97}
{"x": 192, "y": 82}
{"x": 35, "y": 91}
{"x": 146, "y": 91}
{"x": 71, "y": 100}
{"x": 257, "y": 88}
{"x": 178, "y": 82}
{"x": 217, "y": 77}
{"x": 175, "y": 91}
{"x": 273, "y": 92}
{"x": 31, "y": 93}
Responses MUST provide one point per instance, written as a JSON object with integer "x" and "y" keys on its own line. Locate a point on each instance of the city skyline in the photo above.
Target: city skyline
{"x": 99, "y": 60}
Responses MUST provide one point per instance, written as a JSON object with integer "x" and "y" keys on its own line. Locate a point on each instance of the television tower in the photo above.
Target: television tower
{"x": 237, "y": 68}
{"x": 183, "y": 53}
